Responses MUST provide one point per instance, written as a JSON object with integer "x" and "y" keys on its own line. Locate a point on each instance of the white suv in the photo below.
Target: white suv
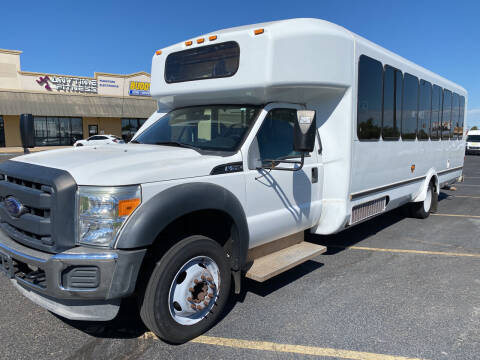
{"x": 99, "y": 140}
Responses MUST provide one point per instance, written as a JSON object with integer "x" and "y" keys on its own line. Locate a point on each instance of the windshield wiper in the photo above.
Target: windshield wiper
{"x": 179, "y": 144}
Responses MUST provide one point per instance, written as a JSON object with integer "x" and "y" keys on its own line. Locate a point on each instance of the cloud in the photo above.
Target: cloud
{"x": 473, "y": 118}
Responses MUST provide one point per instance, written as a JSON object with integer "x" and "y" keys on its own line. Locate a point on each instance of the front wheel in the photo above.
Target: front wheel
{"x": 422, "y": 209}
{"x": 187, "y": 291}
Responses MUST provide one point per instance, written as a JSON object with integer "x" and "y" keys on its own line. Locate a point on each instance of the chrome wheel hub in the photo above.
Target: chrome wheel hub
{"x": 194, "y": 290}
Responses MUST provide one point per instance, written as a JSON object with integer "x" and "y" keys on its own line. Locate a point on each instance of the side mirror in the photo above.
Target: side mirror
{"x": 27, "y": 133}
{"x": 304, "y": 131}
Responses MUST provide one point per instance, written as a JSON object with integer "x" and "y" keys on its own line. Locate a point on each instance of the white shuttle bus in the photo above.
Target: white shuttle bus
{"x": 262, "y": 132}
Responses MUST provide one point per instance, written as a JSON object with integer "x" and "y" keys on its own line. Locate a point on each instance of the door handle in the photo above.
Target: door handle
{"x": 314, "y": 175}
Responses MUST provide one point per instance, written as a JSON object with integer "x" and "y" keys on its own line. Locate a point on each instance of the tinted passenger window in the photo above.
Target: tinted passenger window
{"x": 369, "y": 105}
{"x": 446, "y": 114}
{"x": 275, "y": 137}
{"x": 410, "y": 107}
{"x": 454, "y": 129}
{"x": 461, "y": 117}
{"x": 392, "y": 103}
{"x": 436, "y": 112}
{"x": 424, "y": 110}
{"x": 205, "y": 62}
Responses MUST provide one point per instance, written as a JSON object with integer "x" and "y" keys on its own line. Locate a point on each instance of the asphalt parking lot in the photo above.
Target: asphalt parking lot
{"x": 391, "y": 288}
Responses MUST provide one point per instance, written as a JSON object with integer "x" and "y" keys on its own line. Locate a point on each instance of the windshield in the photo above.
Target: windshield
{"x": 210, "y": 127}
{"x": 473, "y": 138}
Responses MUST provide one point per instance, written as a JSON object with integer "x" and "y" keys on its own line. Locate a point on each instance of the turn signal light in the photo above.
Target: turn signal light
{"x": 158, "y": 52}
{"x": 259, "y": 31}
{"x": 213, "y": 37}
{"x": 126, "y": 207}
{"x": 201, "y": 40}
{"x": 189, "y": 42}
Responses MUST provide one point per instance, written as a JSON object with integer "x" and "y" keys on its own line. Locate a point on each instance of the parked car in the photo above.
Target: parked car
{"x": 99, "y": 140}
{"x": 473, "y": 142}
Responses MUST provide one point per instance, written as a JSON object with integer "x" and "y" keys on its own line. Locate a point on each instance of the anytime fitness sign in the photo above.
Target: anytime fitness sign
{"x": 68, "y": 84}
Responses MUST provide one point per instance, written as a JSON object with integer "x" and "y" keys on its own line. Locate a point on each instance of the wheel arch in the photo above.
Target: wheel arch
{"x": 431, "y": 176}
{"x": 167, "y": 208}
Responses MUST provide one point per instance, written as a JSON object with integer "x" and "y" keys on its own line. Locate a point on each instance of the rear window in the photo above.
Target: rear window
{"x": 205, "y": 62}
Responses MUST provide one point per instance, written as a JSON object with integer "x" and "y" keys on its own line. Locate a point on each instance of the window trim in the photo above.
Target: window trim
{"x": 443, "y": 103}
{"x": 429, "y": 123}
{"x": 381, "y": 100}
{"x": 403, "y": 106}
{"x": 396, "y": 122}
{"x": 293, "y": 107}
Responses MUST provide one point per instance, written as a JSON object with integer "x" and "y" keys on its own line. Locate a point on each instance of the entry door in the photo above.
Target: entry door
{"x": 92, "y": 130}
{"x": 280, "y": 203}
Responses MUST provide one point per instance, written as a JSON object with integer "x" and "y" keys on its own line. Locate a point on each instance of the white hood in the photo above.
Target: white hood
{"x": 110, "y": 165}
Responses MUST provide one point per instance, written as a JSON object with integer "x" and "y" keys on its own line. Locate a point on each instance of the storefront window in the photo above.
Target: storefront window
{"x": 130, "y": 127}
{"x": 52, "y": 130}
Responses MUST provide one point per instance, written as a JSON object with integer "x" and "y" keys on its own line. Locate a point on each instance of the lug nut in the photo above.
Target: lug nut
{"x": 191, "y": 290}
{"x": 189, "y": 299}
{"x": 203, "y": 277}
{"x": 193, "y": 307}
{"x": 212, "y": 286}
{"x": 209, "y": 279}
{"x": 196, "y": 281}
{"x": 199, "y": 307}
{"x": 210, "y": 296}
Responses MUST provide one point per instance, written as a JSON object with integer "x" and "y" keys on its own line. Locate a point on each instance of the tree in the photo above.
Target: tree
{"x": 474, "y": 128}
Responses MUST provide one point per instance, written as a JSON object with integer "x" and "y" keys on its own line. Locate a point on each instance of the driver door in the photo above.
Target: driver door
{"x": 280, "y": 203}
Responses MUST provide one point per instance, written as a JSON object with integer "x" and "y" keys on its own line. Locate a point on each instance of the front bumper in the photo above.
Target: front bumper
{"x": 80, "y": 284}
{"x": 472, "y": 150}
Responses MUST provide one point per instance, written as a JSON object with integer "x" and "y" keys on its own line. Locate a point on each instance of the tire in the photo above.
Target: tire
{"x": 195, "y": 271}
{"x": 422, "y": 209}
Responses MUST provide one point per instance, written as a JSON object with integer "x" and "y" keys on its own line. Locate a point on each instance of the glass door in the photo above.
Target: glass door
{"x": 2, "y": 132}
{"x": 92, "y": 130}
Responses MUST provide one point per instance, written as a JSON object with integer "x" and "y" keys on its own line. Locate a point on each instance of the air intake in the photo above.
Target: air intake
{"x": 367, "y": 210}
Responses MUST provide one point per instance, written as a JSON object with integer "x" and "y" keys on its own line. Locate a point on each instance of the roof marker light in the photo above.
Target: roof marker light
{"x": 212, "y": 38}
{"x": 189, "y": 42}
{"x": 158, "y": 52}
{"x": 259, "y": 31}
{"x": 200, "y": 40}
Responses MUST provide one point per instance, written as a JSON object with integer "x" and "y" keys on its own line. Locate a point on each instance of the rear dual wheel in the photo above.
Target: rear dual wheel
{"x": 187, "y": 291}
{"x": 422, "y": 209}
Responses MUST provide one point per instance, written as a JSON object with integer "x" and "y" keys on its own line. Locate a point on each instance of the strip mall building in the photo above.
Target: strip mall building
{"x": 67, "y": 108}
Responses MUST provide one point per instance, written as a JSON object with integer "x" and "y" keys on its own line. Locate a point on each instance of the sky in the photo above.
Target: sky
{"x": 81, "y": 37}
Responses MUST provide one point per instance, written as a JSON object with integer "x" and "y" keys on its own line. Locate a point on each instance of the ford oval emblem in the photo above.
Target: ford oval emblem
{"x": 14, "y": 206}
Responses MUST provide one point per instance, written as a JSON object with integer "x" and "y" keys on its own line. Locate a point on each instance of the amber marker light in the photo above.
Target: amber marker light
{"x": 201, "y": 40}
{"x": 259, "y": 31}
{"x": 126, "y": 207}
{"x": 212, "y": 38}
{"x": 158, "y": 52}
{"x": 189, "y": 42}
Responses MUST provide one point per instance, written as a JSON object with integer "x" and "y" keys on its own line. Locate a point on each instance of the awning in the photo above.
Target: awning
{"x": 16, "y": 103}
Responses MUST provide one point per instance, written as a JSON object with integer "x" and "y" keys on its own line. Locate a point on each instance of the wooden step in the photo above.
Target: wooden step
{"x": 268, "y": 266}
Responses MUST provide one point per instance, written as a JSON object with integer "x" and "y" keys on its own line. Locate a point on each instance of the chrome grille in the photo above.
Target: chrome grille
{"x": 34, "y": 225}
{"x": 46, "y": 197}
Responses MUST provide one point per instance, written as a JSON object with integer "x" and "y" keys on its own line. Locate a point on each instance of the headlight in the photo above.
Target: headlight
{"x": 102, "y": 211}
